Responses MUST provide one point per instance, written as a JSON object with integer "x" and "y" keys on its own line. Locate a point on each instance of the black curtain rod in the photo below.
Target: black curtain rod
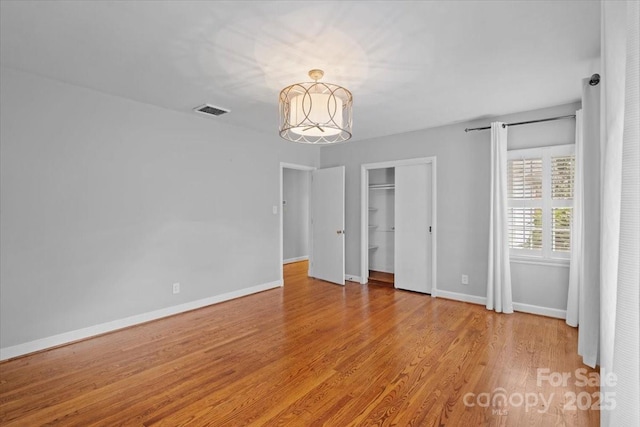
{"x": 570, "y": 116}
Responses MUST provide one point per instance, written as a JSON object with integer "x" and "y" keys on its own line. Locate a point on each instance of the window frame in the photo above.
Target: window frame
{"x": 545, "y": 256}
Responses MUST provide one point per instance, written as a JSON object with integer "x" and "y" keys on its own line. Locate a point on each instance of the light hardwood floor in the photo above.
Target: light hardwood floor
{"x": 310, "y": 353}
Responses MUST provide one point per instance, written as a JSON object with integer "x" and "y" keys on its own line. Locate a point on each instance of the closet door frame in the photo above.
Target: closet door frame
{"x": 364, "y": 214}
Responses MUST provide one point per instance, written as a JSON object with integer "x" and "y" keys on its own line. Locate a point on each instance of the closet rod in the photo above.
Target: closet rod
{"x": 570, "y": 116}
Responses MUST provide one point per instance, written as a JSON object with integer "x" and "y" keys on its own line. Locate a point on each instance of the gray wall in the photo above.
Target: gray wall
{"x": 463, "y": 199}
{"x": 106, "y": 202}
{"x": 295, "y": 213}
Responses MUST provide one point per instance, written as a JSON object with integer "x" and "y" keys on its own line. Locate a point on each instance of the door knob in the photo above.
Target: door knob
{"x": 340, "y": 232}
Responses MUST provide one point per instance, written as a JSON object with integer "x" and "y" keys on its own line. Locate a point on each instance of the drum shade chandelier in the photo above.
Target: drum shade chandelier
{"x": 315, "y": 113}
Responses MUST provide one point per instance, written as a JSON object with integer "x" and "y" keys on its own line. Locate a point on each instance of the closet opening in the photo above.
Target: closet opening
{"x": 381, "y": 227}
{"x": 398, "y": 220}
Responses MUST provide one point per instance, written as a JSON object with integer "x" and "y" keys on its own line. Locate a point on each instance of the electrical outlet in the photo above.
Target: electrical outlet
{"x": 465, "y": 279}
{"x": 176, "y": 288}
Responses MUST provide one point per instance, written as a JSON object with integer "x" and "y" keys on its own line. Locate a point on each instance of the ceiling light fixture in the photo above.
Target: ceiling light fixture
{"x": 315, "y": 113}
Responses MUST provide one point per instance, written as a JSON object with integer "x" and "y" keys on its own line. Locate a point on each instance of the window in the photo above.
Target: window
{"x": 540, "y": 192}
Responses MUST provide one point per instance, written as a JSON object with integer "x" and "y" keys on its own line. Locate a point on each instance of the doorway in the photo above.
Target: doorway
{"x": 294, "y": 214}
{"x": 398, "y": 220}
{"x": 324, "y": 202}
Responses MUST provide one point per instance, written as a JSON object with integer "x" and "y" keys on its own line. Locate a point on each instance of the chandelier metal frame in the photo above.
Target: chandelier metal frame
{"x": 299, "y": 115}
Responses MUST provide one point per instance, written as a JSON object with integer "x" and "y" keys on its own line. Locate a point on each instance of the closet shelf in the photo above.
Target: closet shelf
{"x": 381, "y": 186}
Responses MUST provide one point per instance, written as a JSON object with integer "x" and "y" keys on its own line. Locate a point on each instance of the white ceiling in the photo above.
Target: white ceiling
{"x": 410, "y": 65}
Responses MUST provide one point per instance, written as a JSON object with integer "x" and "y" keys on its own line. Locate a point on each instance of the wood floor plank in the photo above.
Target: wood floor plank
{"x": 308, "y": 354}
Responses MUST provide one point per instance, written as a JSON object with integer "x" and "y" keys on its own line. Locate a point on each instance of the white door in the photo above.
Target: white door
{"x": 413, "y": 227}
{"x": 327, "y": 224}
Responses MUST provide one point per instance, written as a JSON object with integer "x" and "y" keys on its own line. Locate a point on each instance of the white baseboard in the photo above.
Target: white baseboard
{"x": 79, "y": 334}
{"x": 517, "y": 306}
{"x": 352, "y": 278}
{"x": 296, "y": 259}
{"x": 461, "y": 297}
{"x": 542, "y": 311}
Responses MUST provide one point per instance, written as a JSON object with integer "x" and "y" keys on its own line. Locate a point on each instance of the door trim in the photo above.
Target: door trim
{"x": 364, "y": 213}
{"x": 284, "y": 166}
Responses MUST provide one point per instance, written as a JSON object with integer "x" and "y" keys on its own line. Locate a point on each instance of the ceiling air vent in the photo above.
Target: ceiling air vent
{"x": 210, "y": 110}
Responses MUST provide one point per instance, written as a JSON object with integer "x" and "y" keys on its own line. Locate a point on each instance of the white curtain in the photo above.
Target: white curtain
{"x": 576, "y": 270}
{"x": 583, "y": 302}
{"x": 499, "y": 275}
{"x": 620, "y": 249}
